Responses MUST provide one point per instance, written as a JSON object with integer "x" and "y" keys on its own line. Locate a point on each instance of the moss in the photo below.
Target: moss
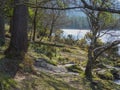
{"x": 27, "y": 64}
{"x": 74, "y": 68}
{"x": 106, "y": 84}
{"x": 107, "y": 75}
{"x": 6, "y": 82}
{"x": 44, "y": 81}
{"x": 84, "y": 63}
{"x": 66, "y": 50}
{"x": 53, "y": 62}
{"x": 62, "y": 60}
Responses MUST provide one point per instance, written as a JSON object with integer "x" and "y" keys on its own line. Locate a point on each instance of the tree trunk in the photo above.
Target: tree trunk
{"x": 51, "y": 31}
{"x": 2, "y": 30}
{"x": 19, "y": 42}
{"x": 35, "y": 23}
{"x": 88, "y": 70}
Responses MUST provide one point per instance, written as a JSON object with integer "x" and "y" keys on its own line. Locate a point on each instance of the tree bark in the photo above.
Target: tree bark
{"x": 88, "y": 70}
{"x": 2, "y": 30}
{"x": 51, "y": 31}
{"x": 19, "y": 40}
{"x": 35, "y": 23}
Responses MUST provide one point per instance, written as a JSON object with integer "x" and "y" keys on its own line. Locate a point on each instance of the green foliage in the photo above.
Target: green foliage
{"x": 49, "y": 51}
{"x": 31, "y": 12}
{"x": 27, "y": 64}
{"x": 63, "y": 60}
{"x": 57, "y": 35}
{"x": 82, "y": 43}
{"x": 106, "y": 18}
{"x": 69, "y": 40}
{"x": 61, "y": 4}
{"x": 6, "y": 83}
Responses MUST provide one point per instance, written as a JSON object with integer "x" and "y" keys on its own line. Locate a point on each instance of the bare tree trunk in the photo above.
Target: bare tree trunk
{"x": 35, "y": 23}
{"x": 2, "y": 30}
{"x": 51, "y": 30}
{"x": 88, "y": 70}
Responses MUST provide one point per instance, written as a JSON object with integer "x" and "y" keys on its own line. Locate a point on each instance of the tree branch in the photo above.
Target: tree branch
{"x": 104, "y": 48}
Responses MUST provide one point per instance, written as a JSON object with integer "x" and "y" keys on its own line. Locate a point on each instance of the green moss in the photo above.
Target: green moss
{"x": 43, "y": 82}
{"x": 53, "y": 62}
{"x": 6, "y": 82}
{"x": 27, "y": 64}
{"x": 66, "y": 50}
{"x": 74, "y": 68}
{"x": 63, "y": 60}
{"x": 107, "y": 75}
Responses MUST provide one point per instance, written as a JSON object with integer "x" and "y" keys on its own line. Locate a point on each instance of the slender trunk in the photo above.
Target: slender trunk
{"x": 51, "y": 30}
{"x": 35, "y": 23}
{"x": 2, "y": 30}
{"x": 91, "y": 58}
{"x": 88, "y": 70}
{"x": 42, "y": 36}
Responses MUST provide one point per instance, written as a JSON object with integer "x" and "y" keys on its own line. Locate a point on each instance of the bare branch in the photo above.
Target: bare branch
{"x": 104, "y": 48}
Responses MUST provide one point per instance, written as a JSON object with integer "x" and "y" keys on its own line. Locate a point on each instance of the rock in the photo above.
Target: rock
{"x": 42, "y": 63}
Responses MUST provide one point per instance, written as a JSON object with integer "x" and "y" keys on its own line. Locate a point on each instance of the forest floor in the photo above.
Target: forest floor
{"x": 64, "y": 71}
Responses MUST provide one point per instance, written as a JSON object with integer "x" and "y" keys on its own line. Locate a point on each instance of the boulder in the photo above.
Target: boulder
{"x": 42, "y": 63}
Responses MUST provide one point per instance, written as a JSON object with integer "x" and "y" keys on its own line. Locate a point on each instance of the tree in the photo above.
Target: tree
{"x": 2, "y": 30}
{"x": 34, "y": 22}
{"x": 2, "y": 24}
{"x": 18, "y": 44}
{"x": 98, "y": 21}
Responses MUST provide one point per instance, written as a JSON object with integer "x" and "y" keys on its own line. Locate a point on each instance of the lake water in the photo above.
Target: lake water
{"x": 77, "y": 34}
{"x": 111, "y": 35}
{"x": 117, "y": 82}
